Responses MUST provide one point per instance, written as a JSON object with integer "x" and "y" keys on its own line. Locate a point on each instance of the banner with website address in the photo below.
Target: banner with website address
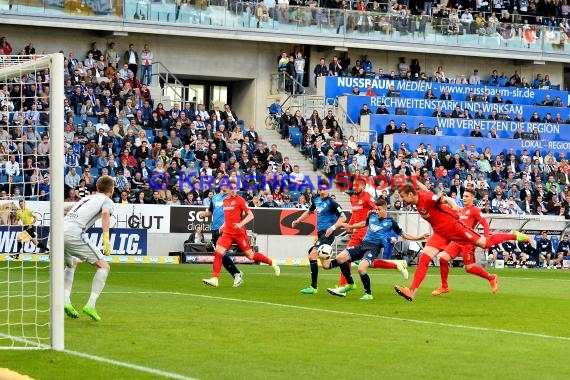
{"x": 462, "y": 127}
{"x": 124, "y": 241}
{"x": 337, "y": 86}
{"x": 436, "y": 142}
{"x": 423, "y": 107}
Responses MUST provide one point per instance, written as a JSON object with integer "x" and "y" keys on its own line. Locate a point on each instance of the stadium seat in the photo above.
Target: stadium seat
{"x": 94, "y": 172}
{"x": 149, "y": 164}
{"x": 93, "y": 119}
{"x": 365, "y": 146}
{"x": 295, "y": 195}
{"x": 3, "y": 178}
{"x": 17, "y": 178}
{"x": 78, "y": 120}
{"x": 554, "y": 240}
{"x": 295, "y": 138}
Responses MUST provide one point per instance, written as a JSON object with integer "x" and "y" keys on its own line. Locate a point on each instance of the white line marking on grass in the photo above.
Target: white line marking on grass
{"x": 128, "y": 365}
{"x": 418, "y": 321}
{"x": 37, "y": 346}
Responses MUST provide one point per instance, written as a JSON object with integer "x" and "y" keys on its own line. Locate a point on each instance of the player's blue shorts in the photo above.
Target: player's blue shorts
{"x": 366, "y": 251}
{"x": 322, "y": 239}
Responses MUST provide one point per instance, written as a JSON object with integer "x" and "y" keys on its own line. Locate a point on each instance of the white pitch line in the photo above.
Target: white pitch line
{"x": 136, "y": 367}
{"x": 152, "y": 371}
{"x": 418, "y": 321}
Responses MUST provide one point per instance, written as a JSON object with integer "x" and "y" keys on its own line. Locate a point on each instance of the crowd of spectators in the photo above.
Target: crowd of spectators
{"x": 156, "y": 155}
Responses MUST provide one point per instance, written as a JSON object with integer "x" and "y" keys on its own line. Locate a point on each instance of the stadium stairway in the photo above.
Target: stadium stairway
{"x": 305, "y": 166}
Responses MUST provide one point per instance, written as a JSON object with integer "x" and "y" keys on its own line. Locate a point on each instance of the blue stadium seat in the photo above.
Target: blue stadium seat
{"x": 79, "y": 170}
{"x": 78, "y": 120}
{"x": 295, "y": 138}
{"x": 17, "y": 178}
{"x": 554, "y": 240}
{"x": 3, "y": 178}
{"x": 94, "y": 172}
{"x": 149, "y": 164}
{"x": 365, "y": 146}
{"x": 295, "y": 195}
{"x": 537, "y": 237}
{"x": 93, "y": 119}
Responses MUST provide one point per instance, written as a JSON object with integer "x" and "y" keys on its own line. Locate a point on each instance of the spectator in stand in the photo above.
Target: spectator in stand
{"x": 476, "y": 132}
{"x": 474, "y": 78}
{"x": 382, "y": 110}
{"x": 535, "y": 118}
{"x": 430, "y": 95}
{"x": 445, "y": 96}
{"x": 5, "y": 47}
{"x": 320, "y": 70}
{"x": 370, "y": 91}
{"x": 497, "y": 98}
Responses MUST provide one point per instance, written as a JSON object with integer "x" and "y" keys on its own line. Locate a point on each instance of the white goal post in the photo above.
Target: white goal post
{"x": 18, "y": 330}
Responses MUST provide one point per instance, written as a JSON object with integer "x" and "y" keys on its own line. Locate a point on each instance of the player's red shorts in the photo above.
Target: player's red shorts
{"x": 242, "y": 241}
{"x": 459, "y": 233}
{"x": 467, "y": 251}
{"x": 437, "y": 241}
{"x": 356, "y": 238}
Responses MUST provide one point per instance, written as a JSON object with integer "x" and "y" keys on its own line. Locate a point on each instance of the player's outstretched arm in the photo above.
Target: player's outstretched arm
{"x": 450, "y": 202}
{"x": 303, "y": 216}
{"x": 105, "y": 224}
{"x": 408, "y": 236}
{"x": 354, "y": 226}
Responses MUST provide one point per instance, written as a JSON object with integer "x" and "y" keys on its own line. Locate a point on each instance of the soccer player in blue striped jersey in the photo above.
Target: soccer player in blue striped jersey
{"x": 377, "y": 236}
{"x": 329, "y": 217}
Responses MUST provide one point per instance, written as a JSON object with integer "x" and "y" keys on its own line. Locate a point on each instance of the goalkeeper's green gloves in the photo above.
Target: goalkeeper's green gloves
{"x": 106, "y": 244}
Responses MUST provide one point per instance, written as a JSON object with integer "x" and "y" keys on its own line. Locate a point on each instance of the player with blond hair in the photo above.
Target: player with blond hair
{"x": 77, "y": 221}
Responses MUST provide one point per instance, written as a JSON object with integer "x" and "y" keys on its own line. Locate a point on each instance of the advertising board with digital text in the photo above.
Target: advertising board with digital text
{"x": 426, "y": 108}
{"x": 461, "y": 127}
{"x": 337, "y": 86}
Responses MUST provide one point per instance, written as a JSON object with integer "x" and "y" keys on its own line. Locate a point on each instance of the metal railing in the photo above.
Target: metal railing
{"x": 164, "y": 78}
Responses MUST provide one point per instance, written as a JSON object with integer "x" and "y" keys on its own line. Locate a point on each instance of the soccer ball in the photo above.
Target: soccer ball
{"x": 325, "y": 252}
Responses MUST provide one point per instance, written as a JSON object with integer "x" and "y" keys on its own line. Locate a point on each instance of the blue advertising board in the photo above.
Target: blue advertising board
{"x": 337, "y": 86}
{"x": 462, "y": 127}
{"x": 124, "y": 241}
{"x": 413, "y": 141}
{"x": 424, "y": 107}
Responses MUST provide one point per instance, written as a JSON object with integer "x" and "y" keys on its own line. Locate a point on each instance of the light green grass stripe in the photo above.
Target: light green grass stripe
{"x": 128, "y": 365}
{"x": 339, "y": 312}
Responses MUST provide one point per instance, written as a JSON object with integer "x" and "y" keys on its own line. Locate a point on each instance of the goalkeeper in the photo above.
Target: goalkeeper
{"x": 377, "y": 236}
{"x": 78, "y": 220}
{"x": 25, "y": 216}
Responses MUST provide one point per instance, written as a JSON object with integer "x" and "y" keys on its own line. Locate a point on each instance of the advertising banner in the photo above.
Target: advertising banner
{"x": 426, "y": 108}
{"x": 267, "y": 221}
{"x": 153, "y": 218}
{"x": 124, "y": 241}
{"x": 337, "y": 86}
{"x": 461, "y": 127}
{"x": 413, "y": 141}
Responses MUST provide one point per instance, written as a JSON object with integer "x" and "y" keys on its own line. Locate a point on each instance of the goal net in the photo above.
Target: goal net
{"x": 31, "y": 171}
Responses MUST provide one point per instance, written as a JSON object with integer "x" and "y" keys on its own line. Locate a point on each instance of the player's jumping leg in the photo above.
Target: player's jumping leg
{"x": 362, "y": 270}
{"x": 444, "y": 274}
{"x": 96, "y": 288}
{"x": 421, "y": 271}
{"x": 494, "y": 239}
{"x": 313, "y": 264}
{"x": 478, "y": 271}
{"x": 384, "y": 264}
{"x": 68, "y": 276}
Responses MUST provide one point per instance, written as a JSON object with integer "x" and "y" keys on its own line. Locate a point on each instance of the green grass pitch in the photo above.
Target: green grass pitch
{"x": 162, "y": 322}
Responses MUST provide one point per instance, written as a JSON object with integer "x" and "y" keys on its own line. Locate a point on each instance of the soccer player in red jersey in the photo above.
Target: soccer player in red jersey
{"x": 234, "y": 232}
{"x": 471, "y": 217}
{"x": 362, "y": 204}
{"x": 441, "y": 213}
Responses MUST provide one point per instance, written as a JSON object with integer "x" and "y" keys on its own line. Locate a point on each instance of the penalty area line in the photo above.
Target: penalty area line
{"x": 340, "y": 312}
{"x": 136, "y": 367}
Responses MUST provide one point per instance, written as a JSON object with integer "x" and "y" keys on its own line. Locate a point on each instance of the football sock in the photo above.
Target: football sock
{"x": 42, "y": 246}
{"x": 345, "y": 269}
{"x": 217, "y": 267}
{"x": 260, "y": 257}
{"x": 379, "y": 263}
{"x": 365, "y": 282}
{"x": 97, "y": 286}
{"x": 443, "y": 271}
{"x": 478, "y": 271}
{"x": 314, "y": 272}
{"x": 498, "y": 238}
{"x": 421, "y": 272}
{"x": 229, "y": 265}
{"x": 68, "y": 276}
{"x": 20, "y": 245}
{"x": 342, "y": 281}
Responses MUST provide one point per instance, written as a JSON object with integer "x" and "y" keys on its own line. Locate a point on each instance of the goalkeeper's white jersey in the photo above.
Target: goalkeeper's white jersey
{"x": 87, "y": 211}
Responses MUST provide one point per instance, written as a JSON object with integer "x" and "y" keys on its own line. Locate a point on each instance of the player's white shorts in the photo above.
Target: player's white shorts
{"x": 77, "y": 245}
